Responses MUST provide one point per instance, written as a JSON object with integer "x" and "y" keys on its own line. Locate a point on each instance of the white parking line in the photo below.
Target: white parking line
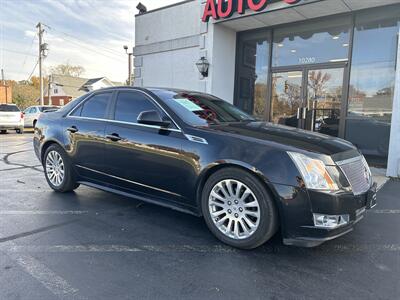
{"x": 50, "y": 280}
{"x": 183, "y": 248}
{"x": 386, "y": 211}
{"x": 43, "y": 212}
{"x": 24, "y": 191}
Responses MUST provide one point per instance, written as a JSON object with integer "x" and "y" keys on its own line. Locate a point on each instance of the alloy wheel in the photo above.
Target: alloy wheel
{"x": 55, "y": 168}
{"x": 234, "y": 209}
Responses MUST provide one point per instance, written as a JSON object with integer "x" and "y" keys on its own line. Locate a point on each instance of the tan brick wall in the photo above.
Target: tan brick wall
{"x": 5, "y": 94}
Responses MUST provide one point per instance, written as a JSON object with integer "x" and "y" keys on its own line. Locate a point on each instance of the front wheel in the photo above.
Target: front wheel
{"x": 58, "y": 170}
{"x": 238, "y": 209}
{"x": 20, "y": 130}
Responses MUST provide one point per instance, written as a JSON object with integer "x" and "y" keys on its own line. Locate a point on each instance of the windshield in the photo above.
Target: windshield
{"x": 201, "y": 109}
{"x": 5, "y": 107}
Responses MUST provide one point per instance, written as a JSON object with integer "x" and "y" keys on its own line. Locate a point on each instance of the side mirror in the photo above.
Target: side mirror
{"x": 152, "y": 117}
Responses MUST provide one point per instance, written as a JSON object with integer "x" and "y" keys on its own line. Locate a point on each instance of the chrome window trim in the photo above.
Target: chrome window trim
{"x": 130, "y": 181}
{"x": 122, "y": 122}
{"x": 126, "y": 123}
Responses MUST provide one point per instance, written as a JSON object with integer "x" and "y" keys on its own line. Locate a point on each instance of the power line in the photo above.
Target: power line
{"x": 26, "y": 56}
{"x": 112, "y": 51}
{"x": 95, "y": 49}
{"x": 17, "y": 52}
{"x": 34, "y": 68}
{"x": 92, "y": 50}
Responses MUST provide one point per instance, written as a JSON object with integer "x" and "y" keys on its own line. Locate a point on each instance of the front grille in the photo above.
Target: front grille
{"x": 358, "y": 174}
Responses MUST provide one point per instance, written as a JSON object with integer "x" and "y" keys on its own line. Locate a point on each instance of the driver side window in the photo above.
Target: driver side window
{"x": 130, "y": 104}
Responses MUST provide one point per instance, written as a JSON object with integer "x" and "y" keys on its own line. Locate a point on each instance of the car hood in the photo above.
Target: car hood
{"x": 287, "y": 136}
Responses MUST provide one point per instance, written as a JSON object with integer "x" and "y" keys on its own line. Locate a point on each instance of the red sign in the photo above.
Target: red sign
{"x": 226, "y": 8}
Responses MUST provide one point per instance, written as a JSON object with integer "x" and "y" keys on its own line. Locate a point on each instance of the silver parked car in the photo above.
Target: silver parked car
{"x": 11, "y": 118}
{"x": 32, "y": 114}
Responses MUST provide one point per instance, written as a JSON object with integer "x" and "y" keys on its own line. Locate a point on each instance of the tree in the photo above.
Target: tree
{"x": 25, "y": 95}
{"x": 68, "y": 70}
{"x": 35, "y": 82}
{"x": 317, "y": 81}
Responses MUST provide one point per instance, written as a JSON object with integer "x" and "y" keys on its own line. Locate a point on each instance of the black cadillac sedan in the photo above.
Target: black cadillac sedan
{"x": 199, "y": 154}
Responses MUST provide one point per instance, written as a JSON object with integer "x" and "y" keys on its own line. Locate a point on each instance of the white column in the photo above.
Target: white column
{"x": 394, "y": 148}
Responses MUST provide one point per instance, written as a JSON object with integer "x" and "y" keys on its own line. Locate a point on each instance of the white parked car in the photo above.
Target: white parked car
{"x": 32, "y": 114}
{"x": 11, "y": 118}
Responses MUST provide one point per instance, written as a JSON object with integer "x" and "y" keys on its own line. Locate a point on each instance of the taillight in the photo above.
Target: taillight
{"x": 22, "y": 115}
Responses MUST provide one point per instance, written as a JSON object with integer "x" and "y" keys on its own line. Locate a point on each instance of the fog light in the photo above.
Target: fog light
{"x": 329, "y": 221}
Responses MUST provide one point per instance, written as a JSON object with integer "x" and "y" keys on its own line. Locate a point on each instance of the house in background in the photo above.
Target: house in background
{"x": 63, "y": 89}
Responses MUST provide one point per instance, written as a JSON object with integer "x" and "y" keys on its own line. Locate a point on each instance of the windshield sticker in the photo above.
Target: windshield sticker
{"x": 189, "y": 105}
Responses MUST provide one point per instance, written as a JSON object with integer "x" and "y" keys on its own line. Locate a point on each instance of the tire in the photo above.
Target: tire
{"x": 266, "y": 224}
{"x": 3, "y": 131}
{"x": 68, "y": 182}
{"x": 19, "y": 130}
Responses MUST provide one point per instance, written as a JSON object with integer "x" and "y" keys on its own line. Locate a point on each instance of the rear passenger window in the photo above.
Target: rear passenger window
{"x": 95, "y": 107}
{"x": 130, "y": 104}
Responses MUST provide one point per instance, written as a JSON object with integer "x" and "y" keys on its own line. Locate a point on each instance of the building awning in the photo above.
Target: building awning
{"x": 278, "y": 13}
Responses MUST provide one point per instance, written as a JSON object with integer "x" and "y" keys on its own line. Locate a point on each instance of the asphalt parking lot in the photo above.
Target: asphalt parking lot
{"x": 95, "y": 245}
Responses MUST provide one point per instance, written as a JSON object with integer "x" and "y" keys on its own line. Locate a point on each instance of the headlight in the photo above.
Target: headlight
{"x": 314, "y": 172}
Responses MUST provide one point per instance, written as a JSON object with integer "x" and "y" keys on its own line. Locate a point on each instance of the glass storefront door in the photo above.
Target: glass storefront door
{"x": 287, "y": 98}
{"x": 310, "y": 98}
{"x": 324, "y": 100}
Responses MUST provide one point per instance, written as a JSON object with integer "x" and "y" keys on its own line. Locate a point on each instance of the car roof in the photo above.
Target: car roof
{"x": 151, "y": 89}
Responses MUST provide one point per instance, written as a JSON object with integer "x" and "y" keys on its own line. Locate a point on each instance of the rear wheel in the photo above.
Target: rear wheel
{"x": 19, "y": 130}
{"x": 58, "y": 170}
{"x": 3, "y": 131}
{"x": 238, "y": 209}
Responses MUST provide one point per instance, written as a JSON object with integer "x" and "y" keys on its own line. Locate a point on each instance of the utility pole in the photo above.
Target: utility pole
{"x": 43, "y": 50}
{"x": 129, "y": 65}
{"x": 49, "y": 92}
{"x": 40, "y": 34}
{"x": 4, "y": 85}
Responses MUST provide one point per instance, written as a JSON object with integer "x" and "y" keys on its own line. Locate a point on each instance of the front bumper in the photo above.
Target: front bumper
{"x": 297, "y": 207}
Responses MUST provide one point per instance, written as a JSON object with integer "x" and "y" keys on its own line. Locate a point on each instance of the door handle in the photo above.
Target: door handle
{"x": 73, "y": 129}
{"x": 113, "y": 137}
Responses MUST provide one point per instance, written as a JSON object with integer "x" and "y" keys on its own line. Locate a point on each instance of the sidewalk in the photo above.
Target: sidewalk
{"x": 379, "y": 176}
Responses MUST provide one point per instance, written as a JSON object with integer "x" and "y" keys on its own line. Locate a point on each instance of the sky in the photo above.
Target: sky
{"x": 90, "y": 33}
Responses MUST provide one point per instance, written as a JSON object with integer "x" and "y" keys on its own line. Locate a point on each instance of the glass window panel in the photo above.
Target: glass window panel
{"x": 373, "y": 68}
{"x": 261, "y": 79}
{"x": 130, "y": 105}
{"x": 95, "y": 107}
{"x": 372, "y": 81}
{"x": 317, "y": 42}
{"x": 253, "y": 75}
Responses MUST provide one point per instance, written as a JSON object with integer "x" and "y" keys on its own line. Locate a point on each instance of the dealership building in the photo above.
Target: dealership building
{"x": 328, "y": 66}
